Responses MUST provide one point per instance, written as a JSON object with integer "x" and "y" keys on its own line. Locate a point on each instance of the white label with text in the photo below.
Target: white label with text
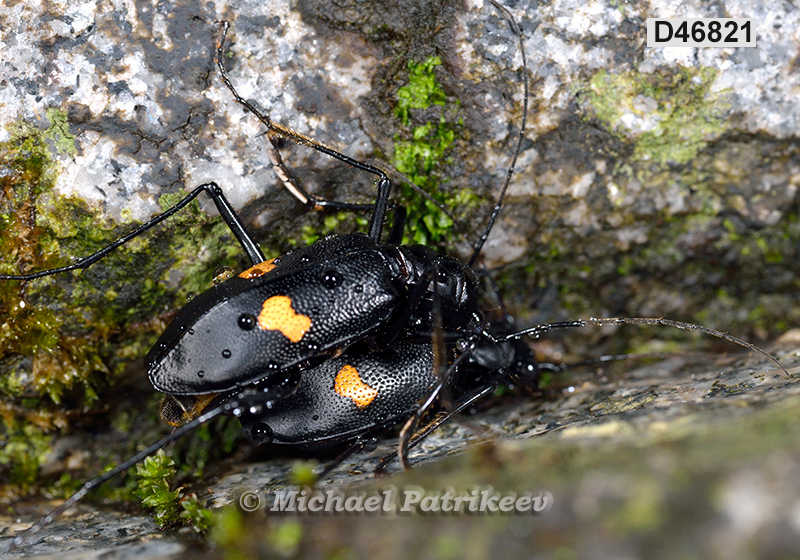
{"x": 700, "y": 32}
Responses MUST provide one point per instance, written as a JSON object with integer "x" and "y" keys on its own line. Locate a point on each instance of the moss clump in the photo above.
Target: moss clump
{"x": 154, "y": 476}
{"x": 331, "y": 224}
{"x": 668, "y": 118}
{"x": 422, "y": 90}
{"x": 22, "y": 452}
{"x": 421, "y": 149}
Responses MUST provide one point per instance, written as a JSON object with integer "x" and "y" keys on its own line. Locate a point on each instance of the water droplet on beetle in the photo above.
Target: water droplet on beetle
{"x": 247, "y": 321}
{"x": 226, "y": 353}
{"x": 332, "y": 279}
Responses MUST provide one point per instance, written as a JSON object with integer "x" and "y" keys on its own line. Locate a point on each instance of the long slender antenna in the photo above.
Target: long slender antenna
{"x": 540, "y": 329}
{"x": 149, "y": 450}
{"x": 520, "y": 137}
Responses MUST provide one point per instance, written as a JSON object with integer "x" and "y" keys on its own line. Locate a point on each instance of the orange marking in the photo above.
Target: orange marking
{"x": 258, "y": 270}
{"x": 277, "y": 315}
{"x": 349, "y": 384}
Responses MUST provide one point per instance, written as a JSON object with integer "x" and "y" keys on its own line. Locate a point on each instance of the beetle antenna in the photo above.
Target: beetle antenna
{"x": 520, "y": 136}
{"x": 539, "y": 329}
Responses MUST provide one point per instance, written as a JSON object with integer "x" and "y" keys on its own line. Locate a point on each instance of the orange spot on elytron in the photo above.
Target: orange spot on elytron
{"x": 258, "y": 270}
{"x": 277, "y": 315}
{"x": 349, "y": 384}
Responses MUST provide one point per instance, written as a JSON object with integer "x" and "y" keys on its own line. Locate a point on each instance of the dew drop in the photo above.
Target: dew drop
{"x": 190, "y": 296}
{"x": 201, "y": 373}
{"x": 247, "y": 321}
{"x": 331, "y": 279}
{"x": 222, "y": 274}
{"x": 226, "y": 353}
{"x": 261, "y": 432}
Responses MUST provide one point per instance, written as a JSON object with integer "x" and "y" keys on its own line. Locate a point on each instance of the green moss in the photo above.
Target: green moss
{"x": 228, "y": 529}
{"x": 154, "y": 479}
{"x": 422, "y": 90}
{"x": 302, "y": 473}
{"x": 422, "y": 148}
{"x": 154, "y": 475}
{"x": 286, "y": 537}
{"x": 199, "y": 517}
{"x": 680, "y": 109}
{"x": 34, "y": 323}
{"x": 23, "y": 450}
{"x": 331, "y": 224}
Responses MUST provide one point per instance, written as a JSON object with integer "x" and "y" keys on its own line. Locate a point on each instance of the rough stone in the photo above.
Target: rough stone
{"x": 654, "y": 182}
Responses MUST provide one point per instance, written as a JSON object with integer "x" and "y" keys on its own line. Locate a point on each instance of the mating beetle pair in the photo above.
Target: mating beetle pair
{"x": 264, "y": 339}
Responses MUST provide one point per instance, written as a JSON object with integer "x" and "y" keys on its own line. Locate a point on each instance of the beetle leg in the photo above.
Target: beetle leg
{"x": 276, "y": 130}
{"x": 226, "y": 211}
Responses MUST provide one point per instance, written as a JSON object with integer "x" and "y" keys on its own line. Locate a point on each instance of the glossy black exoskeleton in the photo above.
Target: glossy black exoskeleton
{"x": 338, "y": 291}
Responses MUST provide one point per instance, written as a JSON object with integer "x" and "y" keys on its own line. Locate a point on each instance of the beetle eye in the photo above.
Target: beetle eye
{"x": 247, "y": 321}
